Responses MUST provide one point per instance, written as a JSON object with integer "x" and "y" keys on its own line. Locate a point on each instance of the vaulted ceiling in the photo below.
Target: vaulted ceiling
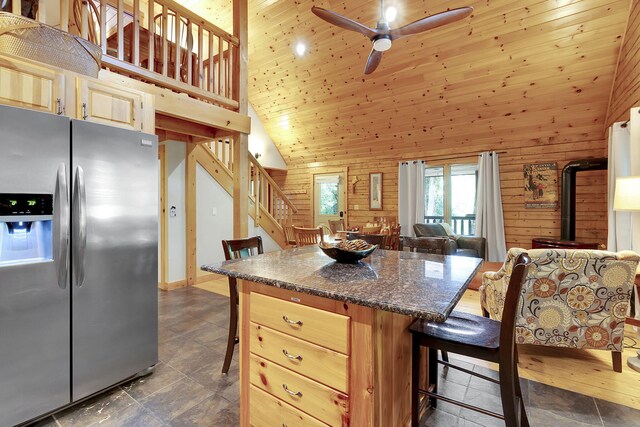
{"x": 512, "y": 70}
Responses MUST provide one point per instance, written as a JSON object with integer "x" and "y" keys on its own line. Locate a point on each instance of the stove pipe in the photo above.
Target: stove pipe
{"x": 568, "y": 205}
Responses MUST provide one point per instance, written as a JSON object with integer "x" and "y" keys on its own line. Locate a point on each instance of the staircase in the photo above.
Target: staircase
{"x": 268, "y": 205}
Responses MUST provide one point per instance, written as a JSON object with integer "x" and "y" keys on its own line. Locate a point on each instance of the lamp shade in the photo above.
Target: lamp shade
{"x": 627, "y": 194}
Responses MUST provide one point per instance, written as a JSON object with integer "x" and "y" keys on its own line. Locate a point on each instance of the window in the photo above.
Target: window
{"x": 450, "y": 196}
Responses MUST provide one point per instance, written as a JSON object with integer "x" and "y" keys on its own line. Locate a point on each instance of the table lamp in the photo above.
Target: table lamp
{"x": 627, "y": 198}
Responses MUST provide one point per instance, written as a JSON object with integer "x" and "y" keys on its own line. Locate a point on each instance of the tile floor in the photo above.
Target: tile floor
{"x": 187, "y": 388}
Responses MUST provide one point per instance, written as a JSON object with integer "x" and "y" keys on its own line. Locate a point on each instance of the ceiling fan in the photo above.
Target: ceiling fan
{"x": 382, "y": 36}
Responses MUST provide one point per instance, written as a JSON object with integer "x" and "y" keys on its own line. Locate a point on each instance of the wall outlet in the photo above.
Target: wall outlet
{"x": 356, "y": 207}
{"x": 214, "y": 211}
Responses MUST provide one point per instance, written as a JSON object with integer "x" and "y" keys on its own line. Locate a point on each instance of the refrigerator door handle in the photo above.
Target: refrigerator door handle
{"x": 61, "y": 234}
{"x": 80, "y": 226}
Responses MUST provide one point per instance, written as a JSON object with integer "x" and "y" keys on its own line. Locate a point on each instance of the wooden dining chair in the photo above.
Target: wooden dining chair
{"x": 430, "y": 245}
{"x": 289, "y": 236}
{"x": 234, "y": 249}
{"x": 393, "y": 239}
{"x": 476, "y": 337}
{"x": 336, "y": 226}
{"x": 308, "y": 236}
{"x": 373, "y": 239}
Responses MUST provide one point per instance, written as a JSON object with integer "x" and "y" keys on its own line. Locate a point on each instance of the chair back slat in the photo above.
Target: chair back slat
{"x": 518, "y": 276}
{"x": 308, "y": 236}
{"x": 336, "y": 226}
{"x": 242, "y": 248}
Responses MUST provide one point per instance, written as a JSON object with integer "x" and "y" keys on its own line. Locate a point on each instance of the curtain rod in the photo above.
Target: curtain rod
{"x": 457, "y": 157}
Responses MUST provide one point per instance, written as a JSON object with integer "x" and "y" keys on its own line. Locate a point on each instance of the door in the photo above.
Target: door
{"x": 34, "y": 293}
{"x": 109, "y": 104}
{"x": 328, "y": 197}
{"x": 29, "y": 86}
{"x": 114, "y": 255}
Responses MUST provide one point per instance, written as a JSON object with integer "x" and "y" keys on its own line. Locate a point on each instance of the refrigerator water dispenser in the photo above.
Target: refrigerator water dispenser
{"x": 25, "y": 228}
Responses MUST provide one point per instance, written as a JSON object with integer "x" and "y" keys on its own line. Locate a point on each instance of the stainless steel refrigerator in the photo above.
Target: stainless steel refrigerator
{"x": 78, "y": 260}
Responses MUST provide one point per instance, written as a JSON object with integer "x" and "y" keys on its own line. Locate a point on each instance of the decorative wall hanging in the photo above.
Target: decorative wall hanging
{"x": 541, "y": 186}
{"x": 375, "y": 191}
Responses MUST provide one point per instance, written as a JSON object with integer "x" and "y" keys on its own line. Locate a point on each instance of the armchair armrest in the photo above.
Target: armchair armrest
{"x": 477, "y": 244}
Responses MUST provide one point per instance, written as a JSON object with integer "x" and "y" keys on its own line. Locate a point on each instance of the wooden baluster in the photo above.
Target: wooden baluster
{"x": 64, "y": 15}
{"x": 189, "y": 53}
{"x": 121, "y": 30}
{"x": 103, "y": 26}
{"x": 200, "y": 56}
{"x": 224, "y": 154}
{"x": 16, "y": 7}
{"x": 165, "y": 41}
{"x": 84, "y": 20}
{"x": 211, "y": 68}
{"x": 151, "y": 24}
{"x": 135, "y": 48}
{"x": 216, "y": 151}
{"x": 220, "y": 54}
{"x": 256, "y": 200}
{"x": 177, "y": 65}
{"x": 228, "y": 75}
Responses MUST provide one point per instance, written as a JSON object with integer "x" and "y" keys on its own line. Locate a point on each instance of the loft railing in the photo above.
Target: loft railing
{"x": 158, "y": 41}
{"x": 464, "y": 225}
{"x": 271, "y": 199}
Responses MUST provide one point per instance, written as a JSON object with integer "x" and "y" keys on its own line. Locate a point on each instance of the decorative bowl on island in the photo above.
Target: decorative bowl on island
{"x": 348, "y": 251}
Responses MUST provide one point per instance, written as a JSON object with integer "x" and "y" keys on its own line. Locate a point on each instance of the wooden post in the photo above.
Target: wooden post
{"x": 241, "y": 143}
{"x": 190, "y": 200}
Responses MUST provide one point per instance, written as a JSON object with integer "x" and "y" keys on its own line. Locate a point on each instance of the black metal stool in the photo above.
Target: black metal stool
{"x": 480, "y": 338}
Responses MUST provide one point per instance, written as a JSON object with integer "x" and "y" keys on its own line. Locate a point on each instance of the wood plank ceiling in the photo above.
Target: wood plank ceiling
{"x": 514, "y": 70}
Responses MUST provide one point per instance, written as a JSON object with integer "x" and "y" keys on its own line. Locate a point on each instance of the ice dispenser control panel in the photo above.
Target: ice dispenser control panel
{"x": 25, "y": 228}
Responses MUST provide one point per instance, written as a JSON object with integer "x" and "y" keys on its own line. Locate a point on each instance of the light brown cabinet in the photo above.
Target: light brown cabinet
{"x": 109, "y": 104}
{"x": 26, "y": 85}
{"x": 44, "y": 88}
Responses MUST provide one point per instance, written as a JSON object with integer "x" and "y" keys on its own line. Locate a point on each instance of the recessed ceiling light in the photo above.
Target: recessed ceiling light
{"x": 284, "y": 121}
{"x": 301, "y": 48}
{"x": 390, "y": 14}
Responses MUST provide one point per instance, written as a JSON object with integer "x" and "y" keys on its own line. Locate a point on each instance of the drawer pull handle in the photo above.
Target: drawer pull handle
{"x": 291, "y": 392}
{"x": 292, "y": 322}
{"x": 291, "y": 356}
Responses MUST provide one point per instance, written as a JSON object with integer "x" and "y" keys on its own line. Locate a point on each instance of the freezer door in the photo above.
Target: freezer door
{"x": 114, "y": 255}
{"x": 34, "y": 306}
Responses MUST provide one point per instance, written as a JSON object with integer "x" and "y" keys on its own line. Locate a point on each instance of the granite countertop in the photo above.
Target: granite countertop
{"x": 414, "y": 284}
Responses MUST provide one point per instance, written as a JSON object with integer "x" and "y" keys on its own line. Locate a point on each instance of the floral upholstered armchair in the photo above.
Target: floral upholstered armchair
{"x": 570, "y": 298}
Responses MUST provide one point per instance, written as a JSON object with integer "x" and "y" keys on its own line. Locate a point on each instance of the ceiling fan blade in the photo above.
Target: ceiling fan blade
{"x": 430, "y": 22}
{"x": 343, "y": 22}
{"x": 373, "y": 61}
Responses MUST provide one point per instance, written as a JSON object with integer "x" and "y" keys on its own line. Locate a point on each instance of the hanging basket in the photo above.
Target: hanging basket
{"x": 26, "y": 38}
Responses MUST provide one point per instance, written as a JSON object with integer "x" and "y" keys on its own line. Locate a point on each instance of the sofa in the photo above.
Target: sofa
{"x": 458, "y": 245}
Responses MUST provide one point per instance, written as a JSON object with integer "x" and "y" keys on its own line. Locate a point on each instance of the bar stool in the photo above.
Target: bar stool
{"x": 476, "y": 337}
{"x": 234, "y": 249}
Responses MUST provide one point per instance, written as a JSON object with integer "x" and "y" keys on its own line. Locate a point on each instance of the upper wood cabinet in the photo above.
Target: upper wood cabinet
{"x": 113, "y": 105}
{"x": 25, "y": 85}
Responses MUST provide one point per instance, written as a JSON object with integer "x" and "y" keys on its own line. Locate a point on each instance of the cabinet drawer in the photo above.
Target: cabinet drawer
{"x": 317, "y": 400}
{"x": 318, "y": 363}
{"x": 267, "y": 411}
{"x": 320, "y": 327}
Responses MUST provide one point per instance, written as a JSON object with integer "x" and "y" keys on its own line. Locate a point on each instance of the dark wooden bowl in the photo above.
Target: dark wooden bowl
{"x": 345, "y": 256}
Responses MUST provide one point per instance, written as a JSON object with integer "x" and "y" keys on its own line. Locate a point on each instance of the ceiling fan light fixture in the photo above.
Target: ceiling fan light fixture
{"x": 382, "y": 44}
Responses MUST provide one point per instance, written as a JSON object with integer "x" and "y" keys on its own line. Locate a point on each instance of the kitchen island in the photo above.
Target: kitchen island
{"x": 323, "y": 343}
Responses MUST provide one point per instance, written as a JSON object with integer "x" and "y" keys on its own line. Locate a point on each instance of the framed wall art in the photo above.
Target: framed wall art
{"x": 541, "y": 186}
{"x": 375, "y": 191}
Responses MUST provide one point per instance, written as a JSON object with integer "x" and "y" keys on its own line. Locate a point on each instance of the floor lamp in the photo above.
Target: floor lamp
{"x": 627, "y": 198}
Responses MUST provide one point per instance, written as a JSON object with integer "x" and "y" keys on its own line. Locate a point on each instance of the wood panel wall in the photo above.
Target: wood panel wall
{"x": 626, "y": 87}
{"x": 521, "y": 225}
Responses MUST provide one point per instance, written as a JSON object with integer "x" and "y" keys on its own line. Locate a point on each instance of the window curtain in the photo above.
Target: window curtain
{"x": 489, "y": 218}
{"x": 618, "y": 238}
{"x": 410, "y": 195}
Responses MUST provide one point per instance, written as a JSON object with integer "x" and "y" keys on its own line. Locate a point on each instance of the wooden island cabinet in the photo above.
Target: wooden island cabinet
{"x": 323, "y": 343}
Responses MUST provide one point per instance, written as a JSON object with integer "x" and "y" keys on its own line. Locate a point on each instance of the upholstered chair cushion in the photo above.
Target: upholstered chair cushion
{"x": 570, "y": 298}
